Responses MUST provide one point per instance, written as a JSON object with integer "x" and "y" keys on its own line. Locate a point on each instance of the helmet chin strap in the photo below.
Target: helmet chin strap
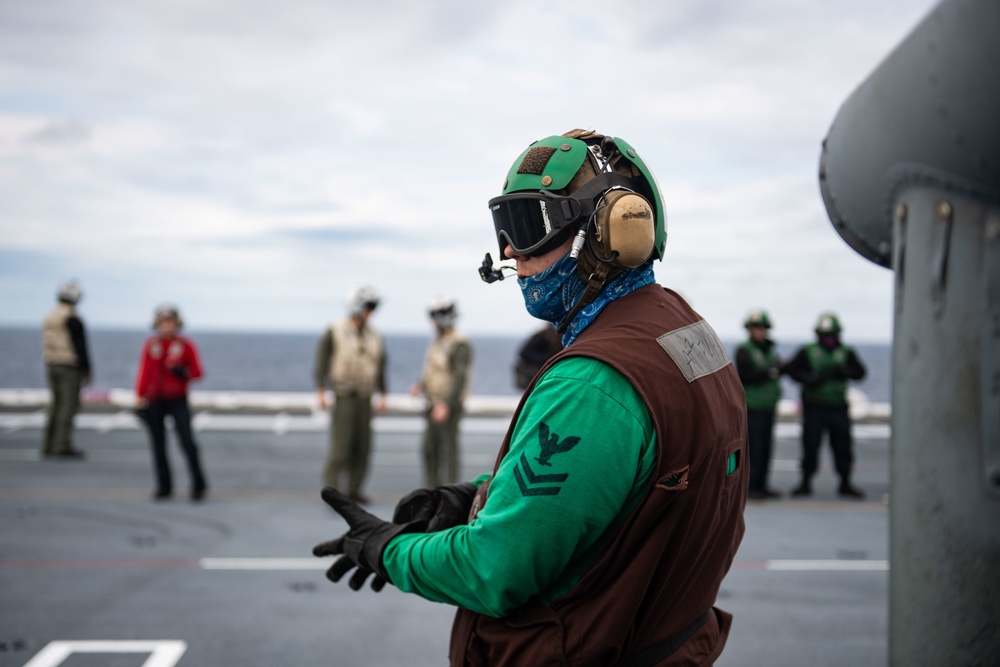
{"x": 595, "y": 283}
{"x": 593, "y": 270}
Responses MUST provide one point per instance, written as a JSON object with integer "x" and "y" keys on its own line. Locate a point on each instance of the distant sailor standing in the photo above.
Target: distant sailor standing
{"x": 67, "y": 365}
{"x": 168, "y": 362}
{"x": 445, "y": 384}
{"x": 823, "y": 368}
{"x": 759, "y": 368}
{"x": 351, "y": 357}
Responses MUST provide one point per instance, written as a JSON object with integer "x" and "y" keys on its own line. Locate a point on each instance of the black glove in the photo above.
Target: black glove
{"x": 813, "y": 379}
{"x": 442, "y": 507}
{"x": 180, "y": 372}
{"x": 361, "y": 546}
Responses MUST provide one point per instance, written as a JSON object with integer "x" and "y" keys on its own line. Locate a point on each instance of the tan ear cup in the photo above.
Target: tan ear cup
{"x": 625, "y": 225}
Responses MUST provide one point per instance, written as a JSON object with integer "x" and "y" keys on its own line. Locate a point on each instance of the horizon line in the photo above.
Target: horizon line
{"x": 859, "y": 340}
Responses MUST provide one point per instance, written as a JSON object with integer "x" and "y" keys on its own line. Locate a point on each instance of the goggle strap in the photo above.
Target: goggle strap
{"x": 581, "y": 204}
{"x": 601, "y": 183}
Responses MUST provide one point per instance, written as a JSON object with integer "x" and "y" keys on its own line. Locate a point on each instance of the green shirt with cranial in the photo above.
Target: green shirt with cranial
{"x": 580, "y": 460}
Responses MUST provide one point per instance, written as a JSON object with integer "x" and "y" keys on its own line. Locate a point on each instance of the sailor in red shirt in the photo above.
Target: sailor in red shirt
{"x": 167, "y": 363}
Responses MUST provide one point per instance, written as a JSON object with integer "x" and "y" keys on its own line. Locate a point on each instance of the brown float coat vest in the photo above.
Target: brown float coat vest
{"x": 664, "y": 566}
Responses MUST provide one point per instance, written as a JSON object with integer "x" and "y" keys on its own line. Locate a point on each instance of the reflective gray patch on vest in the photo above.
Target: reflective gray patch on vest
{"x": 696, "y": 349}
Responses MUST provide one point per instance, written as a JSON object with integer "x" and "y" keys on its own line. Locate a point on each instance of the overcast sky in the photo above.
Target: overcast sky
{"x": 254, "y": 161}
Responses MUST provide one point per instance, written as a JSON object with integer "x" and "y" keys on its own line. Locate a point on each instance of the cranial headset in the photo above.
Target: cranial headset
{"x": 615, "y": 220}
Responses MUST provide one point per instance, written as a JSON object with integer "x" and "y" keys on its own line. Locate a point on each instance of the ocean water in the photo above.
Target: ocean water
{"x": 283, "y": 362}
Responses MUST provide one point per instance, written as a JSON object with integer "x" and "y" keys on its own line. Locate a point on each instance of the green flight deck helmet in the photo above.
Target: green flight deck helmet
{"x": 828, "y": 324}
{"x": 757, "y": 318}
{"x": 561, "y": 183}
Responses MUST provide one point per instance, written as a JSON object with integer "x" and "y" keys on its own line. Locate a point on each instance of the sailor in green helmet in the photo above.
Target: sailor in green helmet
{"x": 823, "y": 368}
{"x": 615, "y": 507}
{"x": 760, "y": 370}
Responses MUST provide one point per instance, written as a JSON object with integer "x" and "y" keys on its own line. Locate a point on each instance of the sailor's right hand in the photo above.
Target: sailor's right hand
{"x": 361, "y": 547}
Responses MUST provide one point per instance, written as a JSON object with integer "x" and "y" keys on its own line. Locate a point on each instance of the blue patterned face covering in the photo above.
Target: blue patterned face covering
{"x": 550, "y": 294}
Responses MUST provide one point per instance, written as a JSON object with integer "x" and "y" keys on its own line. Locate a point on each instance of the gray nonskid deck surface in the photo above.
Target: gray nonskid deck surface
{"x": 86, "y": 556}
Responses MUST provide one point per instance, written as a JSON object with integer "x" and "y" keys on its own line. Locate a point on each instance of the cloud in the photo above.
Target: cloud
{"x": 253, "y": 161}
{"x": 60, "y": 132}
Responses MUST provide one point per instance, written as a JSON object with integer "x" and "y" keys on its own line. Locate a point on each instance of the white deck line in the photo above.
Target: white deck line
{"x": 776, "y": 565}
{"x": 828, "y": 565}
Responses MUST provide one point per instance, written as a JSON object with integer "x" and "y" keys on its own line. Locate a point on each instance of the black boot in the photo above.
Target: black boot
{"x": 848, "y": 490}
{"x": 763, "y": 494}
{"x": 803, "y": 489}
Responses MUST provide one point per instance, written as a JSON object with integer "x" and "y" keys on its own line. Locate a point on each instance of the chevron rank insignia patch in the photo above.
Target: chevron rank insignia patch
{"x": 534, "y": 484}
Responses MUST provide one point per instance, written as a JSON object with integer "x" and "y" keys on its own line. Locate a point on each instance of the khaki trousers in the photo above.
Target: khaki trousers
{"x": 64, "y": 382}
{"x": 350, "y": 443}
{"x": 440, "y": 450}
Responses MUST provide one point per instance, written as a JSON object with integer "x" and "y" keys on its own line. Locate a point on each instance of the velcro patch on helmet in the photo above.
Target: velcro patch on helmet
{"x": 535, "y": 160}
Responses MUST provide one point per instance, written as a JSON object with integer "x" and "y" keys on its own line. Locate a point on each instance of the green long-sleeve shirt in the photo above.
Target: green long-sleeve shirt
{"x": 580, "y": 459}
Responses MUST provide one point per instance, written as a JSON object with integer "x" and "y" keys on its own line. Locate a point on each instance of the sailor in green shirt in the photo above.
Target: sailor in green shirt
{"x": 618, "y": 485}
{"x": 583, "y": 441}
